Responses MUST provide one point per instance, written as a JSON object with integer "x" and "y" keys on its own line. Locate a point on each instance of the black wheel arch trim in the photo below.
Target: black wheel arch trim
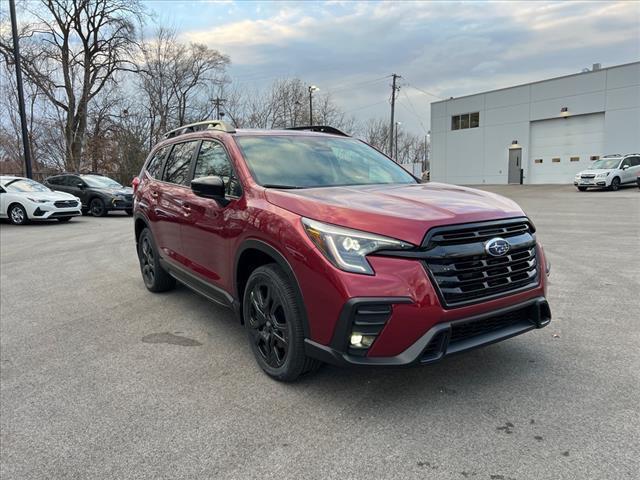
{"x": 282, "y": 262}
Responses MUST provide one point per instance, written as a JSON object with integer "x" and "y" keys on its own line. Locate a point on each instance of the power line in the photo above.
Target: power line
{"x": 414, "y": 111}
{"x": 424, "y": 91}
{"x": 365, "y": 106}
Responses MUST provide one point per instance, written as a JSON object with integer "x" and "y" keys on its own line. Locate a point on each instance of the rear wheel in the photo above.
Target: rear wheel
{"x": 272, "y": 315}
{"x": 615, "y": 184}
{"x": 156, "y": 278}
{"x": 582, "y": 189}
{"x": 97, "y": 207}
{"x": 17, "y": 214}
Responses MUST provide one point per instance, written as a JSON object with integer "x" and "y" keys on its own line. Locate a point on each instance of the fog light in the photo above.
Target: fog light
{"x": 362, "y": 341}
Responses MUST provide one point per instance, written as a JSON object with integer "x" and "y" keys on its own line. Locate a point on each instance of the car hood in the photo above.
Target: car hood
{"x": 405, "y": 212}
{"x": 597, "y": 171}
{"x": 52, "y": 196}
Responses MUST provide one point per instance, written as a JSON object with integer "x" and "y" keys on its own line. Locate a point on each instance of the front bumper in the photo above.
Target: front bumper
{"x": 120, "y": 204}
{"x": 593, "y": 183}
{"x": 442, "y": 340}
{"x": 49, "y": 213}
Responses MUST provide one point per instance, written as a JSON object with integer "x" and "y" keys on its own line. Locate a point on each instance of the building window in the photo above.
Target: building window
{"x": 575, "y": 159}
{"x": 537, "y": 160}
{"x": 595, "y": 157}
{"x": 555, "y": 160}
{"x": 465, "y": 120}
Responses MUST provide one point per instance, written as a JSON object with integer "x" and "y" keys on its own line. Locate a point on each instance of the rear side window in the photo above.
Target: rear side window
{"x": 176, "y": 169}
{"x": 213, "y": 160}
{"x": 635, "y": 161}
{"x": 55, "y": 180}
{"x": 154, "y": 167}
{"x": 72, "y": 181}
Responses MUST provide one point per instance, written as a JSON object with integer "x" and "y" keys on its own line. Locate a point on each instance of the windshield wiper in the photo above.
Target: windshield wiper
{"x": 286, "y": 187}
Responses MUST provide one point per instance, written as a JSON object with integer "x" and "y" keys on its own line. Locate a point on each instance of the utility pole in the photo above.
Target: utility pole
{"x": 312, "y": 88}
{"x": 394, "y": 89}
{"x": 217, "y": 102}
{"x": 23, "y": 114}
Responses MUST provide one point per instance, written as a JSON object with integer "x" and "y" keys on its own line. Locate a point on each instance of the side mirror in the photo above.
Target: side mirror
{"x": 624, "y": 167}
{"x": 209, "y": 187}
{"x": 80, "y": 185}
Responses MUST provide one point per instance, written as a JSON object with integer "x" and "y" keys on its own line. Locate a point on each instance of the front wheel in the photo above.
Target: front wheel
{"x": 615, "y": 184}
{"x": 97, "y": 207}
{"x": 18, "y": 215}
{"x": 156, "y": 278}
{"x": 273, "y": 318}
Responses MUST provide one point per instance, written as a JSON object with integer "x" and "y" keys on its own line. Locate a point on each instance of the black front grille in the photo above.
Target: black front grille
{"x": 588, "y": 175}
{"x": 66, "y": 203}
{"x": 465, "y": 273}
{"x": 465, "y": 330}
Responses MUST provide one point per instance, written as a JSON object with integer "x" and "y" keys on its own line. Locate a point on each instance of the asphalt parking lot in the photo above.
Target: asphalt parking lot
{"x": 102, "y": 379}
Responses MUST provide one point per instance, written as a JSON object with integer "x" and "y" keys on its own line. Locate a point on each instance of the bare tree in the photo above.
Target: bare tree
{"x": 178, "y": 79}
{"x": 71, "y": 52}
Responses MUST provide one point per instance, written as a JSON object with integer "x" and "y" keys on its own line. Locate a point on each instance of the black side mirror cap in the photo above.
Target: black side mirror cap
{"x": 209, "y": 187}
{"x": 80, "y": 185}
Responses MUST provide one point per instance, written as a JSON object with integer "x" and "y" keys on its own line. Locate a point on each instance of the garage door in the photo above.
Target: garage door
{"x": 561, "y": 147}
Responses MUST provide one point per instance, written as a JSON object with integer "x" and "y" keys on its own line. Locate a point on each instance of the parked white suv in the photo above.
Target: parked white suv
{"x": 610, "y": 172}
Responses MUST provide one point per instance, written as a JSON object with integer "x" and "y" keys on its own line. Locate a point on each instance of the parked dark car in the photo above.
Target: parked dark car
{"x": 99, "y": 194}
{"x": 329, "y": 251}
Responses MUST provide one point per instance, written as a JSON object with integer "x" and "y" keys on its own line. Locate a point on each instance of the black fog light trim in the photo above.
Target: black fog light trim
{"x": 38, "y": 213}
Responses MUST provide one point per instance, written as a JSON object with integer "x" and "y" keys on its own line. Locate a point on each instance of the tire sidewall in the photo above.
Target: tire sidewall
{"x": 615, "y": 184}
{"x": 98, "y": 201}
{"x": 291, "y": 367}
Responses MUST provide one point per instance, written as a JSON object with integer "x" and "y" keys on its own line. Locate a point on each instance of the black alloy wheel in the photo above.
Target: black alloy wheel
{"x": 268, "y": 323}
{"x": 97, "y": 208}
{"x": 272, "y": 315}
{"x": 155, "y": 278}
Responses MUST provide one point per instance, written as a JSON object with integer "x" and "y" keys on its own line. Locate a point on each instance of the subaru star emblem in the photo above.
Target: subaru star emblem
{"x": 496, "y": 247}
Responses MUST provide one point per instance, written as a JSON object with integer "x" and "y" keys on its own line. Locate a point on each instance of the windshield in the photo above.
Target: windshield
{"x": 290, "y": 161}
{"x": 25, "y": 185}
{"x": 605, "y": 164}
{"x": 100, "y": 182}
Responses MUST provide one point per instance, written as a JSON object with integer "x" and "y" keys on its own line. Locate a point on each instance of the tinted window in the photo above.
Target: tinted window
{"x": 72, "y": 181}
{"x": 300, "y": 161}
{"x": 213, "y": 160}
{"x": 635, "y": 161}
{"x": 154, "y": 167}
{"x": 176, "y": 169}
{"x": 56, "y": 180}
{"x": 99, "y": 181}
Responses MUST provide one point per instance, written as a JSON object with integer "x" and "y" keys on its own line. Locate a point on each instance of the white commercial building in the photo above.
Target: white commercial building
{"x": 541, "y": 132}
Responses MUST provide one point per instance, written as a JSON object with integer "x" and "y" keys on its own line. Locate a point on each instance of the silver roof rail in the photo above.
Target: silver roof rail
{"x": 199, "y": 126}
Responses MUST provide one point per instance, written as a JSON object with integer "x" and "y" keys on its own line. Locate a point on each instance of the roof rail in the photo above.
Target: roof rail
{"x": 612, "y": 155}
{"x": 321, "y": 129}
{"x": 198, "y": 126}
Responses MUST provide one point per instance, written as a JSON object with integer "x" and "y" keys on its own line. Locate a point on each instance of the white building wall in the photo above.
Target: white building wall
{"x": 480, "y": 155}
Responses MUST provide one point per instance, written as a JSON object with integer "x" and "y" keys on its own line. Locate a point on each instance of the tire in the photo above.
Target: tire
{"x": 17, "y": 214}
{"x": 273, "y": 318}
{"x": 64, "y": 219}
{"x": 615, "y": 184}
{"x": 155, "y": 278}
{"x": 582, "y": 189}
{"x": 129, "y": 211}
{"x": 97, "y": 207}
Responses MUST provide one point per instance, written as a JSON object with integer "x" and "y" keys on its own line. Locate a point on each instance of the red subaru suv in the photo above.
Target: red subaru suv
{"x": 328, "y": 251}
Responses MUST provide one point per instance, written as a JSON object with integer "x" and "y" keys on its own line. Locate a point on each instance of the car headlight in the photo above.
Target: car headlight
{"x": 37, "y": 200}
{"x": 347, "y": 249}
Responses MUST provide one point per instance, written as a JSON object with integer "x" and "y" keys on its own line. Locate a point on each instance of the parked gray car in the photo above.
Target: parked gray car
{"x": 99, "y": 194}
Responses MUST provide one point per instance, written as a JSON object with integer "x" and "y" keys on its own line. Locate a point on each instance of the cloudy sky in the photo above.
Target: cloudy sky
{"x": 441, "y": 49}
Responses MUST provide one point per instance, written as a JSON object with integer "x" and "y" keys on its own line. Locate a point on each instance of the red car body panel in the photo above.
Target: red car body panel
{"x": 204, "y": 237}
